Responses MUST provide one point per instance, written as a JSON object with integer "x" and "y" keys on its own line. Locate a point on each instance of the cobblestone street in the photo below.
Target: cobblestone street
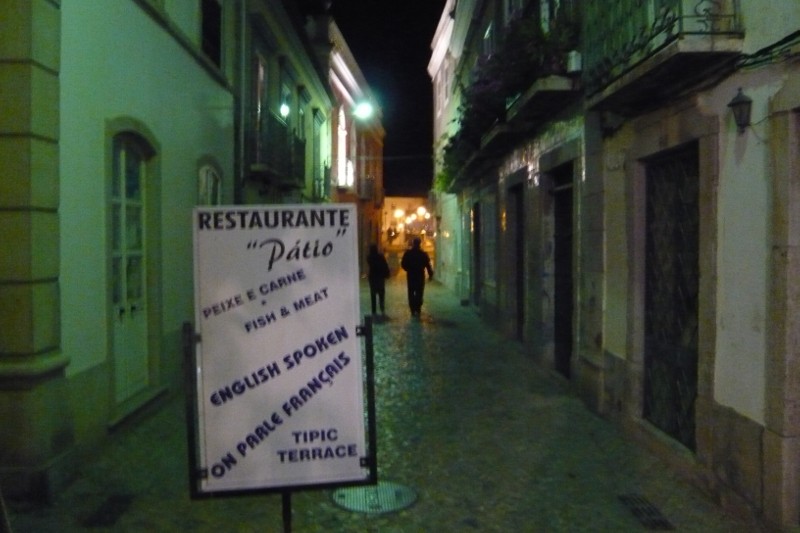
{"x": 486, "y": 441}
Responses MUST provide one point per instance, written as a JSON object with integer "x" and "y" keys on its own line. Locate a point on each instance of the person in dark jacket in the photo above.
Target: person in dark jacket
{"x": 378, "y": 272}
{"x": 416, "y": 262}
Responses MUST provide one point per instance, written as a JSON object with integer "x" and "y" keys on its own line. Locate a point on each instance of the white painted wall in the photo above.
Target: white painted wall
{"x": 763, "y": 26}
{"x": 185, "y": 15}
{"x": 616, "y": 262}
{"x": 116, "y": 62}
{"x": 743, "y": 255}
{"x": 449, "y": 240}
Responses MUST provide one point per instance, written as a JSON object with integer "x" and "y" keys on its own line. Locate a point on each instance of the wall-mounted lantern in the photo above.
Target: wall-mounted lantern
{"x": 741, "y": 106}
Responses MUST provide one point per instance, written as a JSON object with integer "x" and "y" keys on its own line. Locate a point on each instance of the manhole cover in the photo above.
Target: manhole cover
{"x": 384, "y": 497}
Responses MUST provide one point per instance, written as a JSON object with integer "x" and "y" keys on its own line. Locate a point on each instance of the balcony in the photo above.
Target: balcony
{"x": 638, "y": 53}
{"x": 528, "y": 110}
{"x": 512, "y": 93}
{"x": 277, "y": 157}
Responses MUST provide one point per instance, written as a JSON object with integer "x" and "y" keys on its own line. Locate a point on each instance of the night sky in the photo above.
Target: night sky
{"x": 390, "y": 41}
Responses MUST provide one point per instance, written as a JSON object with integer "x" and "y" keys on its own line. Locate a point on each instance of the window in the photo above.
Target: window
{"x": 211, "y": 30}
{"x": 548, "y": 9}
{"x": 352, "y": 152}
{"x": 513, "y": 9}
{"x": 301, "y": 123}
{"x": 286, "y": 102}
{"x": 341, "y": 150}
{"x": 303, "y": 100}
{"x": 127, "y": 220}
{"x": 488, "y": 40}
{"x": 544, "y": 16}
{"x": 260, "y": 104}
{"x": 209, "y": 190}
{"x": 320, "y": 188}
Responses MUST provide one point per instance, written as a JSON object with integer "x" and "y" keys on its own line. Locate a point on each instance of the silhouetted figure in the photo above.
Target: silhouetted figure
{"x": 415, "y": 262}
{"x": 378, "y": 272}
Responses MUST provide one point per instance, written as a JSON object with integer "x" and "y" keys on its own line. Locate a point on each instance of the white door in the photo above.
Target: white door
{"x": 128, "y": 260}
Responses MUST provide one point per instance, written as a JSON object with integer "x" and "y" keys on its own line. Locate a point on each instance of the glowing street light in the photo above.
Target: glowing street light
{"x": 363, "y": 110}
{"x": 285, "y": 110}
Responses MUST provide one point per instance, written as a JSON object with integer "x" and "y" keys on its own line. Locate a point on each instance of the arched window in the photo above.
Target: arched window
{"x": 127, "y": 211}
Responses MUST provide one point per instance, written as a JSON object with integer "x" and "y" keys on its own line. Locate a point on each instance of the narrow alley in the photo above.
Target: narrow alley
{"x": 485, "y": 441}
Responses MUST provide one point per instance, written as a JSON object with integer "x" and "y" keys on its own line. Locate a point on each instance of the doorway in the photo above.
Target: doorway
{"x": 131, "y": 358}
{"x": 477, "y": 257}
{"x": 671, "y": 292}
{"x": 516, "y": 239}
{"x": 563, "y": 289}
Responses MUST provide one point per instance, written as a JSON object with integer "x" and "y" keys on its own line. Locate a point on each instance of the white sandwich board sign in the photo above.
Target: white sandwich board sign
{"x": 279, "y": 384}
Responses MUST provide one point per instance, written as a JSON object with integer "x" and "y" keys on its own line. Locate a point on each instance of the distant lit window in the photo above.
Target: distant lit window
{"x": 350, "y": 178}
{"x": 341, "y": 150}
{"x": 211, "y": 30}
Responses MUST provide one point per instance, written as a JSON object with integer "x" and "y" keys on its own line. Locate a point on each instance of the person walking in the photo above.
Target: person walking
{"x": 416, "y": 262}
{"x": 378, "y": 272}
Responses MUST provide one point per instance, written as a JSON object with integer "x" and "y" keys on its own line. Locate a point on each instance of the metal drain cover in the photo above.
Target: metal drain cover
{"x": 385, "y": 497}
{"x": 648, "y": 514}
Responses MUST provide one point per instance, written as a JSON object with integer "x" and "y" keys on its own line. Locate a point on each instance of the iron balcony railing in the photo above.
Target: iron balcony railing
{"x": 620, "y": 34}
{"x": 277, "y": 154}
{"x": 322, "y": 184}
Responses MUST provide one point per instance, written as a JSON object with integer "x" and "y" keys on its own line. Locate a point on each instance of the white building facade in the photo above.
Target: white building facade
{"x": 121, "y": 116}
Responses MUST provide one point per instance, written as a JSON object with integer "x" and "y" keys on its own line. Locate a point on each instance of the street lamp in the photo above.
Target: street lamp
{"x": 740, "y": 106}
{"x": 363, "y": 110}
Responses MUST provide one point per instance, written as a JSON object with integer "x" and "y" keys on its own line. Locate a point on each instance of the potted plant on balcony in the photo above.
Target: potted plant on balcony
{"x": 527, "y": 54}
